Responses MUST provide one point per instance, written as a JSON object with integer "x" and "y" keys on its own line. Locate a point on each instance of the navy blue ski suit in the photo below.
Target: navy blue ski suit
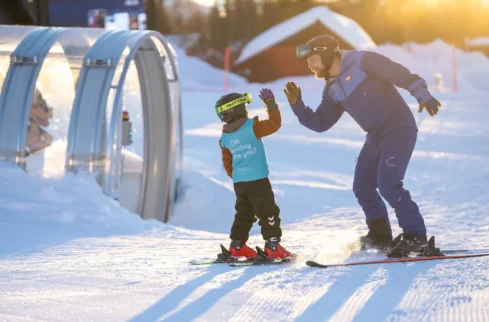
{"x": 365, "y": 89}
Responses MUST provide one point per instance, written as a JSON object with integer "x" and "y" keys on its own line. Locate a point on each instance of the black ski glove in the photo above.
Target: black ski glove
{"x": 419, "y": 89}
{"x": 431, "y": 106}
{"x": 292, "y": 92}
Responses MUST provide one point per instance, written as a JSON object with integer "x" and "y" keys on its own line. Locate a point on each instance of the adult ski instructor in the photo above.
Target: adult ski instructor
{"x": 362, "y": 83}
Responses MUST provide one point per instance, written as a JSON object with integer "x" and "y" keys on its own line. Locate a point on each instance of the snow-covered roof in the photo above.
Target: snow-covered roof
{"x": 348, "y": 29}
{"x": 480, "y": 41}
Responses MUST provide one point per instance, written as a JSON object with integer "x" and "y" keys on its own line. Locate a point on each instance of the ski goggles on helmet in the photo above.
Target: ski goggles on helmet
{"x": 304, "y": 51}
{"x": 245, "y": 99}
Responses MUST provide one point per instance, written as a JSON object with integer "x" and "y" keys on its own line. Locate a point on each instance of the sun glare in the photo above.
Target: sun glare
{"x": 437, "y": 2}
{"x": 433, "y": 2}
{"x": 210, "y": 3}
{"x": 205, "y": 3}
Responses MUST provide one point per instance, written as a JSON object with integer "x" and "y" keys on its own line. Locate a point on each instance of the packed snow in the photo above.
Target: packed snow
{"x": 69, "y": 253}
{"x": 478, "y": 41}
{"x": 350, "y": 31}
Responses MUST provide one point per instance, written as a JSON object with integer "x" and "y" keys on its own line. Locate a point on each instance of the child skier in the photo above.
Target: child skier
{"x": 244, "y": 159}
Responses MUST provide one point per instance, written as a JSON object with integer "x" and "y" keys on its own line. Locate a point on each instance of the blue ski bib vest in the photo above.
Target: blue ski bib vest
{"x": 248, "y": 152}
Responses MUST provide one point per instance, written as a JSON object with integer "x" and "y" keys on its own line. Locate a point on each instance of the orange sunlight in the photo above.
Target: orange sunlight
{"x": 437, "y": 2}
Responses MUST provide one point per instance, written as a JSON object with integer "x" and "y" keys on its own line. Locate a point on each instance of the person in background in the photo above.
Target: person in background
{"x": 38, "y": 138}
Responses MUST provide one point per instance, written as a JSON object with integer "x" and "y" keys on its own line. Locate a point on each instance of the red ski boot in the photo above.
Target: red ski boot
{"x": 273, "y": 249}
{"x": 240, "y": 249}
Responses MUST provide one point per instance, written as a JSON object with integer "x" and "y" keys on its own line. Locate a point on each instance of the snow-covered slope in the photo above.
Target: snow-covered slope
{"x": 196, "y": 74}
{"x": 478, "y": 42}
{"x": 68, "y": 253}
{"x": 472, "y": 69}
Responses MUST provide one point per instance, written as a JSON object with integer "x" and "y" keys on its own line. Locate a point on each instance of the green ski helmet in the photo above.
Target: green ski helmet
{"x": 232, "y": 106}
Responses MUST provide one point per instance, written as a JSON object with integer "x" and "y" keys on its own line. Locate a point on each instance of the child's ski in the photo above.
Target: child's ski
{"x": 217, "y": 261}
{"x": 261, "y": 259}
{"x": 275, "y": 261}
{"x": 222, "y": 258}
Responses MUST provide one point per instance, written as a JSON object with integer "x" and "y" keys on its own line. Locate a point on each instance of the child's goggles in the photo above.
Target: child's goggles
{"x": 246, "y": 99}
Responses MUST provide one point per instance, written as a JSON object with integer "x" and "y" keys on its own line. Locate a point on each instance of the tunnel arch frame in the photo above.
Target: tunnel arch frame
{"x": 94, "y": 81}
{"x": 96, "y": 154}
{"x": 18, "y": 88}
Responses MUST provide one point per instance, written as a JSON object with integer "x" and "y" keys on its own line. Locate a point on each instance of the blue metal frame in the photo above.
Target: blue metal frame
{"x": 134, "y": 43}
{"x": 86, "y": 148}
{"x": 18, "y": 89}
{"x": 87, "y": 151}
{"x": 92, "y": 92}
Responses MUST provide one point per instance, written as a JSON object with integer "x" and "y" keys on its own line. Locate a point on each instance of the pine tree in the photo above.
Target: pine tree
{"x": 217, "y": 37}
{"x": 196, "y": 22}
{"x": 157, "y": 17}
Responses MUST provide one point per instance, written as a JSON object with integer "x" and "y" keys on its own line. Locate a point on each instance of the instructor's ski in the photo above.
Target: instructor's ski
{"x": 312, "y": 263}
{"x": 429, "y": 252}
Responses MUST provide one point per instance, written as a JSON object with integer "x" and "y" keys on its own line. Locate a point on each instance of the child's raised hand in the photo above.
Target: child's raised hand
{"x": 266, "y": 95}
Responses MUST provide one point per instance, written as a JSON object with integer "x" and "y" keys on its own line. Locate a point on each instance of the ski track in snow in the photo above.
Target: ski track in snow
{"x": 70, "y": 253}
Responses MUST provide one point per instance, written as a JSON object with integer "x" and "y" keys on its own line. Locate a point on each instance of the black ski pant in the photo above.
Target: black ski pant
{"x": 255, "y": 199}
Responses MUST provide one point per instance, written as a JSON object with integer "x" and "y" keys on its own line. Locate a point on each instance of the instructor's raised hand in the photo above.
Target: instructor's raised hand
{"x": 292, "y": 92}
{"x": 266, "y": 95}
{"x": 432, "y": 106}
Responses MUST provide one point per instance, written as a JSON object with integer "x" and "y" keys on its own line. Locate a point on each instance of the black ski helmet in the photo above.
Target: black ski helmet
{"x": 326, "y": 46}
{"x": 232, "y": 106}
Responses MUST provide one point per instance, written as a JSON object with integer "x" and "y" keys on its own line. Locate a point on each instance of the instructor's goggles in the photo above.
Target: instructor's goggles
{"x": 304, "y": 51}
{"x": 246, "y": 99}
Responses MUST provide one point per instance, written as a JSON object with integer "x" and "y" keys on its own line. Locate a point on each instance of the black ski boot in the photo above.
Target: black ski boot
{"x": 413, "y": 244}
{"x": 379, "y": 235}
{"x": 373, "y": 241}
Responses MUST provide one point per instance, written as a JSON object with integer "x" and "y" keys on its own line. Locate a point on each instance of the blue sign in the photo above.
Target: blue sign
{"x": 108, "y": 14}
